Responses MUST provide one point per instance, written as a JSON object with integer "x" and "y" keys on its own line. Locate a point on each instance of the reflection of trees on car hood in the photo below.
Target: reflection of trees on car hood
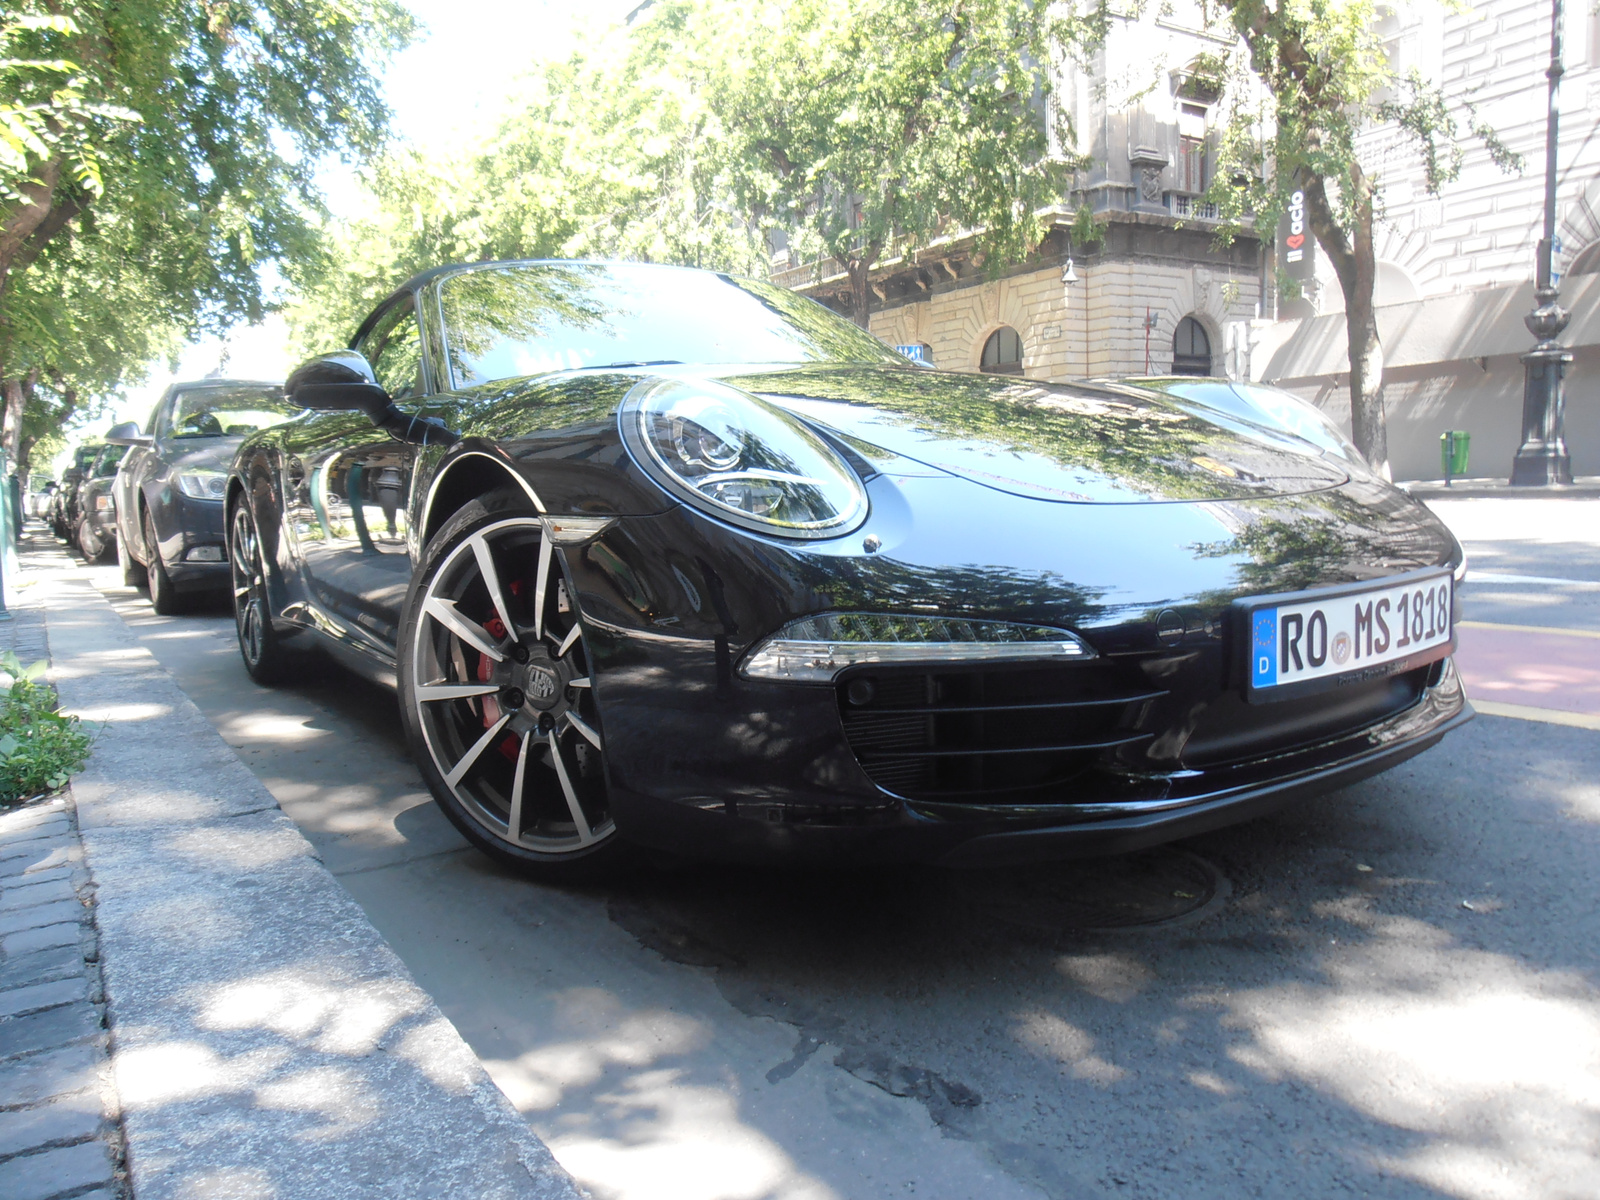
{"x": 1050, "y": 441}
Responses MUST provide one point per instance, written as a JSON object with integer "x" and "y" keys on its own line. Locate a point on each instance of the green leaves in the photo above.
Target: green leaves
{"x": 39, "y": 748}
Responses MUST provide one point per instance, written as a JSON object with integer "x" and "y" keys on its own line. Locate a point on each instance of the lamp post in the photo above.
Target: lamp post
{"x": 1542, "y": 458}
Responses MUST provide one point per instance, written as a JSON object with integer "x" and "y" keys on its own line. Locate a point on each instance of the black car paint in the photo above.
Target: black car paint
{"x": 703, "y": 761}
{"x": 148, "y": 482}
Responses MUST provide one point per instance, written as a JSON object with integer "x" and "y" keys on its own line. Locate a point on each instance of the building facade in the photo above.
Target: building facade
{"x": 1154, "y": 290}
{"x": 1455, "y": 271}
{"x": 1158, "y": 294}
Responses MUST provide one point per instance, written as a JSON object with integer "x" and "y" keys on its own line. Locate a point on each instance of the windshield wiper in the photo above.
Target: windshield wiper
{"x": 653, "y": 362}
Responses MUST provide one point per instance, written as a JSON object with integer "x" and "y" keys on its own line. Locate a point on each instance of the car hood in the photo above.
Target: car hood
{"x": 1068, "y": 443}
{"x": 201, "y": 453}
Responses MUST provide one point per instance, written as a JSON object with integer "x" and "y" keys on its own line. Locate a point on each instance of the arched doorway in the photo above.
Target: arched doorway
{"x": 1587, "y": 262}
{"x": 1191, "y": 349}
{"x": 1002, "y": 353}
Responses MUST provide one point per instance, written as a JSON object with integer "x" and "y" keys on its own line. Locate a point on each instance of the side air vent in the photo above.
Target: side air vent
{"x": 1002, "y": 736}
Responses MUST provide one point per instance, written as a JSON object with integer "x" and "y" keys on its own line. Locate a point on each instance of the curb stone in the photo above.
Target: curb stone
{"x": 265, "y": 1040}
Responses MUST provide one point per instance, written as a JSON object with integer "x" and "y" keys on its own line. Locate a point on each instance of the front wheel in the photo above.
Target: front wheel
{"x": 163, "y": 592}
{"x": 259, "y": 645}
{"x": 497, "y": 697}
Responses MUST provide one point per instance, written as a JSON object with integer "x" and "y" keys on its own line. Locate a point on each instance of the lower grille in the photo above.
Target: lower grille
{"x": 1006, "y": 736}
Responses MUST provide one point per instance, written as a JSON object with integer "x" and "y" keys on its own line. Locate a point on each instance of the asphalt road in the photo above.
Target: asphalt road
{"x": 1390, "y": 991}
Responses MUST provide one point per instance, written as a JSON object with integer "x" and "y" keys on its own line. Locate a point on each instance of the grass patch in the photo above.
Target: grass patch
{"x": 39, "y": 748}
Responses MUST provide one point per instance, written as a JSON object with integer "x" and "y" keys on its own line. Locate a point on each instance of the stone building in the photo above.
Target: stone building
{"x": 1154, "y": 292}
{"x": 1455, "y": 271}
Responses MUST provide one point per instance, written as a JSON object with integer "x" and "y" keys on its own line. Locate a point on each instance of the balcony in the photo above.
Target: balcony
{"x": 1190, "y": 207}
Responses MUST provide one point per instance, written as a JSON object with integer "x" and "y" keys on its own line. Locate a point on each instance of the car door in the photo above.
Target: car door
{"x": 350, "y": 485}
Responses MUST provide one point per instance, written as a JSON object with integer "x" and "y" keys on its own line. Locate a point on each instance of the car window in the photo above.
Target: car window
{"x": 227, "y": 411}
{"x": 507, "y": 321}
{"x": 394, "y": 348}
{"x": 105, "y": 465}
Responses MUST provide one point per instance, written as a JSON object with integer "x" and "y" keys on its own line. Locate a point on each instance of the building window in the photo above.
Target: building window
{"x": 1191, "y": 349}
{"x": 1002, "y": 353}
{"x": 1192, "y": 164}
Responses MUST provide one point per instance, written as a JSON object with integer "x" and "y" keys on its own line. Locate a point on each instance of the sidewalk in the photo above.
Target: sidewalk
{"x": 255, "y": 1037}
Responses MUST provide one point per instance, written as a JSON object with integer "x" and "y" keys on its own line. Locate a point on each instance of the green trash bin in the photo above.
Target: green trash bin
{"x": 1454, "y": 445}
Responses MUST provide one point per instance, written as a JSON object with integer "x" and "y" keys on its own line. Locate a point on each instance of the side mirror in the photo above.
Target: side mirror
{"x": 127, "y": 434}
{"x": 343, "y": 381}
{"x": 339, "y": 382}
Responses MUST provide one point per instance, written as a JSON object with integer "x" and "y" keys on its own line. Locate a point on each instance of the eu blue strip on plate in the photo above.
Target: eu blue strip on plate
{"x": 1264, "y": 647}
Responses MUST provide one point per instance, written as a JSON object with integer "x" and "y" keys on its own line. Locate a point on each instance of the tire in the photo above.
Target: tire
{"x": 265, "y": 658}
{"x": 133, "y": 572}
{"x": 510, "y": 741}
{"x": 164, "y": 596}
{"x": 89, "y": 543}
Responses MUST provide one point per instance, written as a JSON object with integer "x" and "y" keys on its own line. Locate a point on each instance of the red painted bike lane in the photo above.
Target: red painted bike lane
{"x": 1515, "y": 664}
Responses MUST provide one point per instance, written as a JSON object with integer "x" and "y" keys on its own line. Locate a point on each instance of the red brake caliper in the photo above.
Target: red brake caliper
{"x": 496, "y": 629}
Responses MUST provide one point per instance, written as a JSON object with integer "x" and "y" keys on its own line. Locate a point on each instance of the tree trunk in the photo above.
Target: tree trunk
{"x": 16, "y": 398}
{"x": 1355, "y": 263}
{"x": 859, "y": 267}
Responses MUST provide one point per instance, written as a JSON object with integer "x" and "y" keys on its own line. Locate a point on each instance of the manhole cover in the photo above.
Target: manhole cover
{"x": 1152, "y": 887}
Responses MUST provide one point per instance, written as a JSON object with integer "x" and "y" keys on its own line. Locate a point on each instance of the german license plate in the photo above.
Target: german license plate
{"x": 1310, "y": 641}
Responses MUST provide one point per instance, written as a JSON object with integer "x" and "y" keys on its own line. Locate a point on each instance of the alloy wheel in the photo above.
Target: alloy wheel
{"x": 502, "y": 693}
{"x": 249, "y": 588}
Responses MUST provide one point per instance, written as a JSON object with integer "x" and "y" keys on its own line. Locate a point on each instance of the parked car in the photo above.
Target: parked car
{"x": 169, "y": 493}
{"x": 95, "y": 531}
{"x": 41, "y": 494}
{"x": 662, "y": 558}
{"x": 64, "y": 510}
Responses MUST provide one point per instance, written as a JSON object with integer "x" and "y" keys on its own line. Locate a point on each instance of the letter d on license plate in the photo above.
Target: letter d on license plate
{"x": 1316, "y": 640}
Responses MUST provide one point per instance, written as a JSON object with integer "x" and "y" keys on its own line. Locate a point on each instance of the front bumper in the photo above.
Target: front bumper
{"x": 774, "y": 827}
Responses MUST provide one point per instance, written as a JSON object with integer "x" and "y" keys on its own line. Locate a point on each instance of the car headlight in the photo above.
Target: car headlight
{"x": 204, "y": 485}
{"x": 816, "y": 649}
{"x": 738, "y": 458}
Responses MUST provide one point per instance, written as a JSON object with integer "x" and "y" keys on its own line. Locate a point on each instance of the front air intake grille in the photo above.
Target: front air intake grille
{"x": 1001, "y": 736}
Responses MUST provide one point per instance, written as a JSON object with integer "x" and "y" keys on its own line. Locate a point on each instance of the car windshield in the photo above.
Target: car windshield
{"x": 1267, "y": 406}
{"x": 504, "y": 322}
{"x": 223, "y": 411}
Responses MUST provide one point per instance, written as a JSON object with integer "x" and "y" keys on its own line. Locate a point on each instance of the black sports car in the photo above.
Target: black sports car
{"x": 663, "y": 558}
{"x": 169, "y": 521}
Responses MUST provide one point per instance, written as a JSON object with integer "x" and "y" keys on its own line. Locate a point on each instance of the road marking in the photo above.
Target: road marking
{"x": 1526, "y": 712}
{"x": 1581, "y": 633}
{"x": 1502, "y": 577}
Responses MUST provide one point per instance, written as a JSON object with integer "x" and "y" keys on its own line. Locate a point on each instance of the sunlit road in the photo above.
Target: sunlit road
{"x": 1392, "y": 991}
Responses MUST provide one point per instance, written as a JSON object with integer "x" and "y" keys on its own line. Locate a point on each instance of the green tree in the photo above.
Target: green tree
{"x": 186, "y": 132}
{"x": 612, "y": 153}
{"x": 872, "y": 128}
{"x": 1328, "y": 80}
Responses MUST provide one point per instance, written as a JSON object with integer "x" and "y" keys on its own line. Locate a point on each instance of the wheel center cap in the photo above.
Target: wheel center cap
{"x": 543, "y": 683}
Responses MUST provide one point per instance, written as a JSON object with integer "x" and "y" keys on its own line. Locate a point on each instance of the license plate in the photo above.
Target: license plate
{"x": 1310, "y": 641}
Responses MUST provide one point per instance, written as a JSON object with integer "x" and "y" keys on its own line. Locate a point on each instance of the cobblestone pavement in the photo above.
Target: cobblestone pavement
{"x": 58, "y": 1128}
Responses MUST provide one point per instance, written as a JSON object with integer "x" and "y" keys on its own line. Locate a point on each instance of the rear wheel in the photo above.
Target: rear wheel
{"x": 163, "y": 592}
{"x": 259, "y": 645}
{"x": 497, "y": 696}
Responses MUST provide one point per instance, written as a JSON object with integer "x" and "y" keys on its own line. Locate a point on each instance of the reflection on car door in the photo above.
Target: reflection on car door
{"x": 349, "y": 511}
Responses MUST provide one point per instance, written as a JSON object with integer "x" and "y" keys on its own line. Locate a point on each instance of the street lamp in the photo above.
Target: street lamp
{"x": 1542, "y": 458}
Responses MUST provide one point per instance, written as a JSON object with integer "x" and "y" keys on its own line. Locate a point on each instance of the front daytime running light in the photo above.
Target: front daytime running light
{"x": 817, "y": 649}
{"x": 204, "y": 485}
